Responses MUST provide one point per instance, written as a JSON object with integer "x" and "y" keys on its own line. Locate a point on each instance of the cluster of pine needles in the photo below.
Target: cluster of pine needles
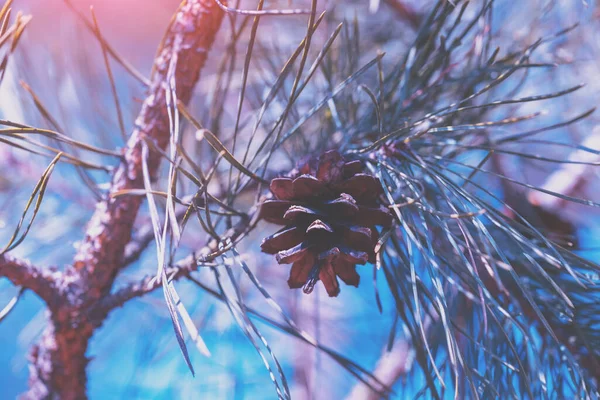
{"x": 493, "y": 305}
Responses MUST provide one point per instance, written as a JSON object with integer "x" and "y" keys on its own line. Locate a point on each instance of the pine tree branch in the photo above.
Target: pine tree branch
{"x": 393, "y": 365}
{"x": 21, "y": 273}
{"x": 567, "y": 334}
{"x": 186, "y": 47}
{"x": 58, "y": 362}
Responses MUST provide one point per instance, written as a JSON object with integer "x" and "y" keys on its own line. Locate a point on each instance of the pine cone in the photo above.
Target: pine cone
{"x": 330, "y": 210}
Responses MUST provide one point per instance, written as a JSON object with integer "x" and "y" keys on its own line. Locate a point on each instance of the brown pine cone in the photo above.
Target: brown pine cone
{"x": 330, "y": 210}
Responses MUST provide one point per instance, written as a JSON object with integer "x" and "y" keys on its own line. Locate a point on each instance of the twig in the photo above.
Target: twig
{"x": 145, "y": 286}
{"x": 145, "y": 235}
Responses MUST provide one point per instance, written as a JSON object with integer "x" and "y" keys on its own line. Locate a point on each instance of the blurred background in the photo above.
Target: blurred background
{"x": 135, "y": 354}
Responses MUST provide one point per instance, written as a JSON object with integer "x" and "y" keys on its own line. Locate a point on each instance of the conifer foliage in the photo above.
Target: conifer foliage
{"x": 389, "y": 166}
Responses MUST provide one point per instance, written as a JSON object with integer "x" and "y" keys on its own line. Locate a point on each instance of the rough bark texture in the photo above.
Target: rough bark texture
{"x": 22, "y": 273}
{"x": 58, "y": 362}
{"x": 57, "y": 367}
{"x": 100, "y": 255}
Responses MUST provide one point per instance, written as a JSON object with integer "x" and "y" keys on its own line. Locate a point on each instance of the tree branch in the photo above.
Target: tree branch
{"x": 21, "y": 273}
{"x": 185, "y": 48}
{"x": 539, "y": 209}
{"x": 58, "y": 362}
{"x": 137, "y": 289}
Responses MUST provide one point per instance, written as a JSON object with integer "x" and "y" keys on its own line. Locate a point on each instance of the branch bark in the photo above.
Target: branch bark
{"x": 58, "y": 362}
{"x": 21, "y": 273}
{"x": 100, "y": 255}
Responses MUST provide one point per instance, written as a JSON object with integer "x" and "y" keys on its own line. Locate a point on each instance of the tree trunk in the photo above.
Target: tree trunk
{"x": 58, "y": 362}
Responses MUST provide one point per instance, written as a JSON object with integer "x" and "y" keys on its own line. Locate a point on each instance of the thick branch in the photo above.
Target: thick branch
{"x": 58, "y": 362}
{"x": 24, "y": 274}
{"x": 186, "y": 47}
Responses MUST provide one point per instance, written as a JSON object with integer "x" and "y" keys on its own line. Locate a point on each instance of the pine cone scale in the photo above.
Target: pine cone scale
{"x": 362, "y": 187}
{"x": 282, "y": 188}
{"x": 328, "y": 276}
{"x": 283, "y": 239}
{"x": 293, "y": 254}
{"x": 308, "y": 186}
{"x": 300, "y": 271}
{"x": 347, "y": 273}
